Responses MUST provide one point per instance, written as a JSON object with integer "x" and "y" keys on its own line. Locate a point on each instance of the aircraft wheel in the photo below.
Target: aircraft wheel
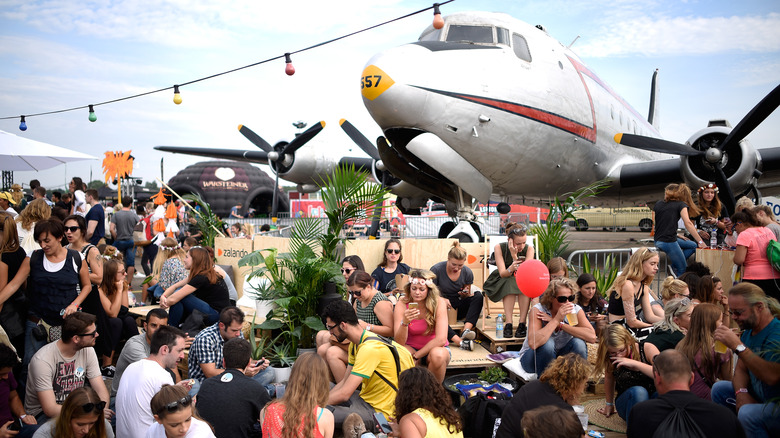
{"x": 582, "y": 225}
{"x": 462, "y": 237}
{"x": 645, "y": 225}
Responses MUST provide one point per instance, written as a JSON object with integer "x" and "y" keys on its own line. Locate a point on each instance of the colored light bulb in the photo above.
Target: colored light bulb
{"x": 438, "y": 22}
{"x": 289, "y": 69}
{"x": 22, "y": 125}
{"x": 176, "y": 95}
{"x": 92, "y": 116}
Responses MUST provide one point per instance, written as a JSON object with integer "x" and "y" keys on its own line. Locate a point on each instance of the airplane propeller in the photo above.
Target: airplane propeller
{"x": 360, "y": 139}
{"x": 713, "y": 153}
{"x": 278, "y": 153}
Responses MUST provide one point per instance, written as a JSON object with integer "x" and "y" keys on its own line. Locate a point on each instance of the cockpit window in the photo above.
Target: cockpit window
{"x": 502, "y": 35}
{"x": 432, "y": 35}
{"x": 470, "y": 34}
{"x": 520, "y": 47}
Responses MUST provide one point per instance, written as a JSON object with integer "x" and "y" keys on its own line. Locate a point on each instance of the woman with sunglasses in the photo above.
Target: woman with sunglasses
{"x": 81, "y": 417}
{"x": 57, "y": 285}
{"x": 631, "y": 294}
{"x": 350, "y": 264}
{"x": 204, "y": 290}
{"x": 752, "y": 240}
{"x": 668, "y": 332}
{"x": 76, "y": 231}
{"x": 375, "y": 314}
{"x": 13, "y": 306}
{"x": 627, "y": 380}
{"x": 501, "y": 285}
{"x": 421, "y": 323}
{"x": 175, "y": 415}
{"x": 557, "y": 327}
{"x": 391, "y": 266}
{"x": 699, "y": 347}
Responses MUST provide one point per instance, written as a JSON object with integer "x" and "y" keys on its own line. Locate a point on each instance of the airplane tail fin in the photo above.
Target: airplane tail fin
{"x": 653, "y": 115}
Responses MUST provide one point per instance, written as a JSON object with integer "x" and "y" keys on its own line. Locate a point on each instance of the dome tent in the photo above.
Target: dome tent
{"x": 224, "y": 184}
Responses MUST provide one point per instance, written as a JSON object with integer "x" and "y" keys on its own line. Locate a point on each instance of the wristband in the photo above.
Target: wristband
{"x": 24, "y": 415}
{"x": 404, "y": 325}
{"x": 740, "y": 391}
{"x": 368, "y": 327}
{"x": 609, "y": 404}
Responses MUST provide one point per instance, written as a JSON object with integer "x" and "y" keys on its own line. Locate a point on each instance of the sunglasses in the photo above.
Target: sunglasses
{"x": 562, "y": 299}
{"x": 72, "y": 229}
{"x": 394, "y": 251}
{"x": 174, "y": 405}
{"x": 93, "y": 334}
{"x": 518, "y": 230}
{"x": 356, "y": 293}
{"x": 97, "y": 407}
{"x": 346, "y": 270}
{"x": 737, "y": 312}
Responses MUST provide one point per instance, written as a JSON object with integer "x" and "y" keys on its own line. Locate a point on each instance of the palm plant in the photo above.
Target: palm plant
{"x": 604, "y": 277}
{"x": 208, "y": 222}
{"x": 551, "y": 236}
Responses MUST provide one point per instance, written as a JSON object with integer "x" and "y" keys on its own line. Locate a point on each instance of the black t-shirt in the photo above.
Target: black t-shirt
{"x": 215, "y": 295}
{"x": 713, "y": 419}
{"x": 532, "y": 395}
{"x": 13, "y": 260}
{"x": 665, "y": 339}
{"x": 387, "y": 279}
{"x": 231, "y": 403}
{"x": 667, "y": 215}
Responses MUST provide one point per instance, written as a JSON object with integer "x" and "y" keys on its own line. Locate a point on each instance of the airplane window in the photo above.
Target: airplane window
{"x": 612, "y": 111}
{"x": 470, "y": 34}
{"x": 432, "y": 35}
{"x": 520, "y": 46}
{"x": 503, "y": 36}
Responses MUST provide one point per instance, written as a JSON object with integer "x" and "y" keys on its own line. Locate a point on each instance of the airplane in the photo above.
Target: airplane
{"x": 491, "y": 107}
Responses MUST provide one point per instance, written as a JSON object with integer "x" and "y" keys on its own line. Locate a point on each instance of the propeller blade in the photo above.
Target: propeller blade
{"x": 655, "y": 145}
{"x": 254, "y": 138}
{"x": 302, "y": 139}
{"x": 726, "y": 194}
{"x": 754, "y": 118}
{"x": 359, "y": 139}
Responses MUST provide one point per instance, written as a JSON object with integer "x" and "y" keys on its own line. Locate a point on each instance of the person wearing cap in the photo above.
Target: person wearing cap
{"x": 6, "y": 201}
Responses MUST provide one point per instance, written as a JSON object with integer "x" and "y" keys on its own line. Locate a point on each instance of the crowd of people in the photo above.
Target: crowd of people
{"x": 65, "y": 299}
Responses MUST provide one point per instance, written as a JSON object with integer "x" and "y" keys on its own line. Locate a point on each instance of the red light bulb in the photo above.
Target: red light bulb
{"x": 438, "y": 22}
{"x": 289, "y": 69}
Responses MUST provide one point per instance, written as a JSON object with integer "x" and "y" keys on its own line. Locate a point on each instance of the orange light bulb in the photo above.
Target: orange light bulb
{"x": 289, "y": 69}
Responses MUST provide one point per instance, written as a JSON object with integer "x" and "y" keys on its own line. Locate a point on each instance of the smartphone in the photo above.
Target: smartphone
{"x": 381, "y": 421}
{"x": 413, "y": 305}
{"x": 16, "y": 425}
{"x": 521, "y": 258}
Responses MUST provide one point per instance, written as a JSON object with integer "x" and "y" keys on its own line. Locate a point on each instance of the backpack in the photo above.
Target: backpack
{"x": 678, "y": 423}
{"x": 389, "y": 343}
{"x": 773, "y": 254}
{"x": 480, "y": 413}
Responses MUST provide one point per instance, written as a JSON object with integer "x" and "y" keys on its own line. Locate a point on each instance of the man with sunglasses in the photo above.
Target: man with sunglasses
{"x": 755, "y": 387}
{"x": 63, "y": 366}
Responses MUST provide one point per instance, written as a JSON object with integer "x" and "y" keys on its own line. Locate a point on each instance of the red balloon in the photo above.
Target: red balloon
{"x": 532, "y": 278}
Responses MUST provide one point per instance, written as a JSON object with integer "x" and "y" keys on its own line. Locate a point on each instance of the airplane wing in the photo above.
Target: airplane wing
{"x": 255, "y": 156}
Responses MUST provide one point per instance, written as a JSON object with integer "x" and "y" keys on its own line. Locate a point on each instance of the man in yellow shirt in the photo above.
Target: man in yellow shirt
{"x": 373, "y": 362}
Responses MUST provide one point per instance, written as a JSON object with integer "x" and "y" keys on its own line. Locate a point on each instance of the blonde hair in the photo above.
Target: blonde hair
{"x": 673, "y": 309}
{"x": 457, "y": 252}
{"x": 9, "y": 238}
{"x": 306, "y": 390}
{"x": 17, "y": 193}
{"x": 37, "y": 210}
{"x": 634, "y": 271}
{"x": 681, "y": 192}
{"x": 614, "y": 336}
{"x": 672, "y": 287}
{"x": 168, "y": 248}
{"x": 431, "y": 300}
{"x": 743, "y": 203}
{"x": 555, "y": 285}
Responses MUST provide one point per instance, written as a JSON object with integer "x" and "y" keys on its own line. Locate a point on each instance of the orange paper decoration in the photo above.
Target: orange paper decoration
{"x": 117, "y": 165}
{"x": 159, "y": 198}
{"x": 159, "y": 226}
{"x": 171, "y": 212}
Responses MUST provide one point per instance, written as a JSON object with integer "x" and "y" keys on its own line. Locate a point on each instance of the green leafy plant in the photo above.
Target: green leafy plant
{"x": 208, "y": 222}
{"x": 605, "y": 277}
{"x": 492, "y": 375}
{"x": 551, "y": 236}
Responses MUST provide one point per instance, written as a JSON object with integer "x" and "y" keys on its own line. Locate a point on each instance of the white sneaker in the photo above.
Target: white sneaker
{"x": 468, "y": 335}
{"x": 467, "y": 345}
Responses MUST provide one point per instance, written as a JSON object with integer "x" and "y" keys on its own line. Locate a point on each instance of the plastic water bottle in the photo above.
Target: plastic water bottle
{"x": 500, "y": 326}
{"x": 713, "y": 239}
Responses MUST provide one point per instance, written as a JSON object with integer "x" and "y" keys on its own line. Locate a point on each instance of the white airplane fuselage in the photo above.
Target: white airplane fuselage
{"x": 522, "y": 128}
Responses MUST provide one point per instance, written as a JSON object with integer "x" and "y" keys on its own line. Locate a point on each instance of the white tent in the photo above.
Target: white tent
{"x": 22, "y": 154}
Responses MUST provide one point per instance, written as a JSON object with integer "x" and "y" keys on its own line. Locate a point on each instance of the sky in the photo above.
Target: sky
{"x": 716, "y": 59}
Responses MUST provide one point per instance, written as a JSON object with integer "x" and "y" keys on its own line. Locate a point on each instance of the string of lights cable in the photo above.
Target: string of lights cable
{"x": 438, "y": 22}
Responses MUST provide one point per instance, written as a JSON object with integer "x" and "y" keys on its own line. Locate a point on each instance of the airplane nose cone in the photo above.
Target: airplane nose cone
{"x": 390, "y": 85}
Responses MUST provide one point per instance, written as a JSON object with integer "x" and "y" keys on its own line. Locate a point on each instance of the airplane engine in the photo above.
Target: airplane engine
{"x": 307, "y": 168}
{"x": 741, "y": 163}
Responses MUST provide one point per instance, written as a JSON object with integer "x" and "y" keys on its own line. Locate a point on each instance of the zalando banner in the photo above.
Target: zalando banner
{"x": 229, "y": 251}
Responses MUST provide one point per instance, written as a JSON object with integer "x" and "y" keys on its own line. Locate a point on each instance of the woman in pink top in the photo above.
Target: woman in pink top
{"x": 420, "y": 323}
{"x": 752, "y": 241}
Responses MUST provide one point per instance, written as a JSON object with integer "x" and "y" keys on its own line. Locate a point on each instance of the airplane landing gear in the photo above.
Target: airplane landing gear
{"x": 465, "y": 229}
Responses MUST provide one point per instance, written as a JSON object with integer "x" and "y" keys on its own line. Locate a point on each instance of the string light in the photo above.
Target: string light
{"x": 176, "y": 95}
{"x": 438, "y": 22}
{"x": 289, "y": 69}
